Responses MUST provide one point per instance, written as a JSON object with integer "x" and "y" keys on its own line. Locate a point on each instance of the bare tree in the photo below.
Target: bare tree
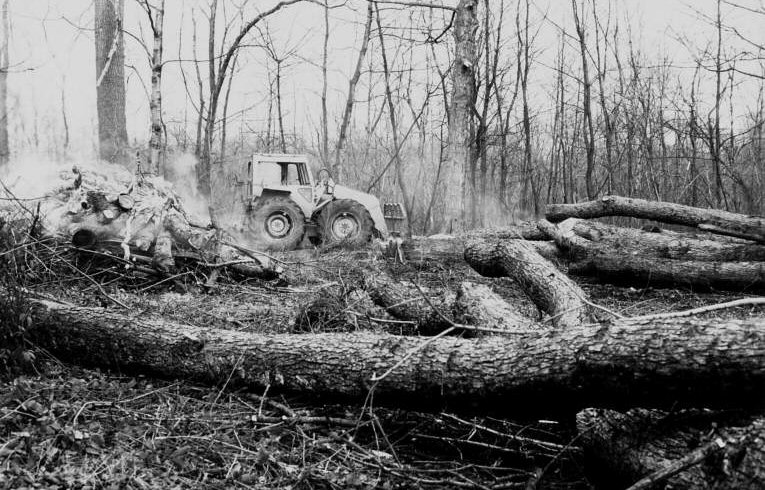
{"x": 337, "y": 169}
{"x": 589, "y": 130}
{"x": 156, "y": 20}
{"x": 461, "y": 132}
{"x": 218, "y": 73}
{"x": 110, "y": 80}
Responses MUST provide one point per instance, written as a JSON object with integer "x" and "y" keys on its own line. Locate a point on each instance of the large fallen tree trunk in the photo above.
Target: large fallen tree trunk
{"x": 645, "y": 271}
{"x": 550, "y": 289}
{"x": 713, "y": 220}
{"x": 683, "y": 450}
{"x": 667, "y": 244}
{"x": 654, "y": 364}
{"x": 449, "y": 249}
{"x": 629, "y": 265}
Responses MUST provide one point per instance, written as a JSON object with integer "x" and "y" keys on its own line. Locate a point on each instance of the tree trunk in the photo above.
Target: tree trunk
{"x": 110, "y": 80}
{"x": 634, "y": 263}
{"x": 155, "y": 143}
{"x": 461, "y": 137}
{"x": 645, "y": 271}
{"x": 628, "y": 447}
{"x": 665, "y": 244}
{"x": 662, "y": 363}
{"x": 337, "y": 168}
{"x": 549, "y": 288}
{"x": 712, "y": 220}
{"x": 477, "y": 304}
{"x": 447, "y": 249}
{"x": 5, "y": 26}
{"x": 406, "y": 302}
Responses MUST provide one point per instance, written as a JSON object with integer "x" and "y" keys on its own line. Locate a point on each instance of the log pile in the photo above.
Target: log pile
{"x": 139, "y": 220}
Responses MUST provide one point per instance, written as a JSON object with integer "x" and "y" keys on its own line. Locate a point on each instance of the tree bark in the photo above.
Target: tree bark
{"x": 406, "y": 302}
{"x": 644, "y": 271}
{"x": 477, "y": 304}
{"x": 110, "y": 80}
{"x": 715, "y": 363}
{"x": 668, "y": 244}
{"x": 636, "y": 445}
{"x": 636, "y": 265}
{"x": 461, "y": 138}
{"x": 447, "y": 249}
{"x": 155, "y": 143}
{"x": 550, "y": 289}
{"x": 712, "y": 220}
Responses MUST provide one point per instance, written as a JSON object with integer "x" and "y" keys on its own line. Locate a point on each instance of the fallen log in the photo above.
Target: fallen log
{"x": 632, "y": 265}
{"x": 712, "y": 220}
{"x": 477, "y": 304}
{"x": 667, "y": 244}
{"x": 645, "y": 271}
{"x": 406, "y": 302}
{"x": 657, "y": 363}
{"x": 448, "y": 249}
{"x": 682, "y": 450}
{"x": 550, "y": 289}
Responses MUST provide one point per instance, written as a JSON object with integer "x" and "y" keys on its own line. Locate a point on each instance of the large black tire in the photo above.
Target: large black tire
{"x": 345, "y": 222}
{"x": 276, "y": 223}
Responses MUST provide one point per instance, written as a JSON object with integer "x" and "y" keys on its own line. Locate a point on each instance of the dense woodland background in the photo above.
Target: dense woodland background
{"x": 470, "y": 112}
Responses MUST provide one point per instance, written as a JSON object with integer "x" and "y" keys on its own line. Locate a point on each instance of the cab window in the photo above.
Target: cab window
{"x": 269, "y": 173}
{"x": 293, "y": 176}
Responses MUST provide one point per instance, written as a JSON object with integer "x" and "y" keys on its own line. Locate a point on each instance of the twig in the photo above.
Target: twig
{"x": 377, "y": 379}
{"x": 702, "y": 309}
{"x": 691, "y": 459}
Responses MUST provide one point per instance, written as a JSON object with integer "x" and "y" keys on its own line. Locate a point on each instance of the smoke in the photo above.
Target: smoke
{"x": 180, "y": 170}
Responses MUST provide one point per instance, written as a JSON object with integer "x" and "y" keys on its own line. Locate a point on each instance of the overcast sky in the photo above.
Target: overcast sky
{"x": 52, "y": 56}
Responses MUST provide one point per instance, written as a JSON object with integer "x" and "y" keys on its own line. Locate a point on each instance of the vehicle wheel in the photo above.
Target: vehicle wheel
{"x": 277, "y": 223}
{"x": 346, "y": 222}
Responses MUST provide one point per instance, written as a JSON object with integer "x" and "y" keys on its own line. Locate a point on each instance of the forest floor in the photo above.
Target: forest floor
{"x": 77, "y": 427}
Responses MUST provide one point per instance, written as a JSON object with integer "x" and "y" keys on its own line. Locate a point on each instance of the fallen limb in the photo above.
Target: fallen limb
{"x": 549, "y": 288}
{"x": 712, "y": 220}
{"x": 658, "y": 363}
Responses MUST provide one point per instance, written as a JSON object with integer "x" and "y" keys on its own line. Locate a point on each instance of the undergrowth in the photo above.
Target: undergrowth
{"x": 15, "y": 317}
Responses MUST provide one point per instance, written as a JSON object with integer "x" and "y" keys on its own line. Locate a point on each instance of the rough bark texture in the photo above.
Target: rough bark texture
{"x": 406, "y": 302}
{"x": 550, "y": 289}
{"x": 645, "y": 271}
{"x": 477, "y": 304}
{"x": 654, "y": 364}
{"x": 629, "y": 262}
{"x": 625, "y": 447}
{"x": 669, "y": 244}
{"x": 461, "y": 133}
{"x": 713, "y": 220}
{"x": 451, "y": 249}
{"x": 110, "y": 80}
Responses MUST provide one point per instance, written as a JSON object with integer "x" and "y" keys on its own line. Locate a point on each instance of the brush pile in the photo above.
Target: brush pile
{"x": 133, "y": 220}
